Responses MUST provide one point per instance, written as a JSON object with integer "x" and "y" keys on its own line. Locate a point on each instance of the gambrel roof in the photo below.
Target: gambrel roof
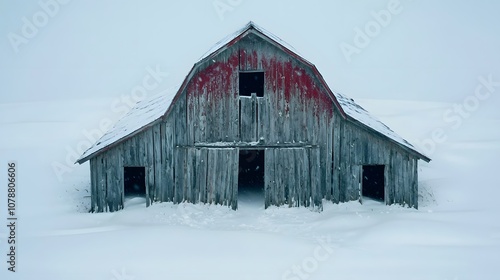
{"x": 148, "y": 112}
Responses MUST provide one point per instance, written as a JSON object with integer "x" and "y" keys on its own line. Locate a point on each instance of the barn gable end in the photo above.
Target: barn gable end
{"x": 316, "y": 142}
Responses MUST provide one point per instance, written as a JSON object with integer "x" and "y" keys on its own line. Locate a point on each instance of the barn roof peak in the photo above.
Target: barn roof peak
{"x": 240, "y": 33}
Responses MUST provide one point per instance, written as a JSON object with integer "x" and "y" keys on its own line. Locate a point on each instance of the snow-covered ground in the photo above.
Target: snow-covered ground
{"x": 455, "y": 234}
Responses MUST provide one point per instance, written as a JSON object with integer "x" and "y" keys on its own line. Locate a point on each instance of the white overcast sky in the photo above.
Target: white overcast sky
{"x": 430, "y": 50}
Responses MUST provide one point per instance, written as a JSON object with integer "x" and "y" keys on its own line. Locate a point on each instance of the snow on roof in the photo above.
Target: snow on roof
{"x": 353, "y": 110}
{"x": 147, "y": 111}
{"x": 143, "y": 113}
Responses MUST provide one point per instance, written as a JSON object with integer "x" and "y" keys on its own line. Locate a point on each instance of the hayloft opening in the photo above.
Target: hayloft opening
{"x": 251, "y": 177}
{"x": 373, "y": 182}
{"x": 252, "y": 82}
{"x": 134, "y": 179}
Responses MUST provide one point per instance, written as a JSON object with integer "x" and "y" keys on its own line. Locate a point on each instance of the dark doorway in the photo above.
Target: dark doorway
{"x": 134, "y": 179}
{"x": 252, "y": 82}
{"x": 251, "y": 177}
{"x": 373, "y": 182}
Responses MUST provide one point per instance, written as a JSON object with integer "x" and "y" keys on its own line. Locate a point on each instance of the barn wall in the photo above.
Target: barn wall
{"x": 209, "y": 175}
{"x": 311, "y": 151}
{"x": 358, "y": 146}
{"x": 155, "y": 149}
{"x": 291, "y": 177}
{"x": 295, "y": 109}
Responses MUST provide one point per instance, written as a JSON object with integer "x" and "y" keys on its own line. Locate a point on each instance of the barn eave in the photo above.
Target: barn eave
{"x": 117, "y": 142}
{"x": 410, "y": 150}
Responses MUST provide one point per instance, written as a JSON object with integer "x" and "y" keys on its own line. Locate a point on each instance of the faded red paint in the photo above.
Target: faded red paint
{"x": 242, "y": 58}
{"x": 253, "y": 60}
{"x": 216, "y": 78}
{"x": 286, "y": 76}
{"x": 282, "y": 74}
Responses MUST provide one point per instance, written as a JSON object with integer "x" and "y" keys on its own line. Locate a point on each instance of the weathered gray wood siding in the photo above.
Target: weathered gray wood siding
{"x": 356, "y": 146}
{"x": 295, "y": 109}
{"x": 291, "y": 177}
{"x": 208, "y": 175}
{"x": 153, "y": 148}
{"x": 312, "y": 152}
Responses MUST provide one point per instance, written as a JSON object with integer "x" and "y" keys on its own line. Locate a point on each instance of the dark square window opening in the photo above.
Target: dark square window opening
{"x": 251, "y": 82}
{"x": 373, "y": 182}
{"x": 134, "y": 179}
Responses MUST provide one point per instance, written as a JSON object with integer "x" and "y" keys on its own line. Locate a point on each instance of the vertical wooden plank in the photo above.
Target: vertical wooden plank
{"x": 322, "y": 139}
{"x": 187, "y": 191}
{"x": 395, "y": 175}
{"x": 202, "y": 175}
{"x": 149, "y": 163}
{"x": 328, "y": 158}
{"x": 298, "y": 176}
{"x": 290, "y": 178}
{"x": 215, "y": 121}
{"x": 158, "y": 163}
{"x": 196, "y": 175}
{"x": 302, "y": 175}
{"x": 228, "y": 181}
{"x": 191, "y": 123}
{"x": 262, "y": 121}
{"x": 180, "y": 122}
{"x": 409, "y": 180}
{"x": 102, "y": 183}
{"x": 169, "y": 161}
{"x": 352, "y": 175}
{"x": 336, "y": 159}
{"x": 283, "y": 175}
{"x": 306, "y": 179}
{"x": 179, "y": 172}
{"x": 110, "y": 181}
{"x": 415, "y": 183}
{"x": 117, "y": 187}
{"x": 210, "y": 118}
{"x": 401, "y": 192}
{"x": 202, "y": 117}
{"x": 343, "y": 163}
{"x": 391, "y": 179}
{"x": 211, "y": 175}
{"x": 93, "y": 185}
{"x": 404, "y": 181}
{"x": 357, "y": 171}
{"x": 233, "y": 110}
{"x": 270, "y": 101}
{"x": 387, "y": 177}
{"x": 315, "y": 180}
{"x": 269, "y": 177}
{"x": 217, "y": 118}
{"x": 247, "y": 119}
{"x": 279, "y": 177}
{"x": 119, "y": 176}
{"x": 223, "y": 180}
{"x": 255, "y": 122}
{"x": 217, "y": 175}
{"x": 234, "y": 179}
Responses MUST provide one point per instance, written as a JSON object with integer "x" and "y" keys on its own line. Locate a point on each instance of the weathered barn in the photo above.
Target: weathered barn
{"x": 251, "y": 104}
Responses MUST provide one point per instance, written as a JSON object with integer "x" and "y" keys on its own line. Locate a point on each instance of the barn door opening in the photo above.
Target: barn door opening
{"x": 134, "y": 189}
{"x": 373, "y": 185}
{"x": 251, "y": 178}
